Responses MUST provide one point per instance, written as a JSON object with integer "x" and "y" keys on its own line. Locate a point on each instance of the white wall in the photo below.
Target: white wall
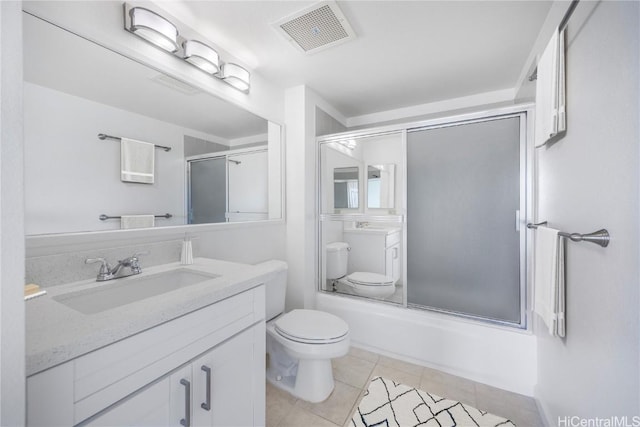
{"x": 587, "y": 181}
{"x": 71, "y": 176}
{"x": 300, "y": 205}
{"x": 12, "y": 342}
{"x": 249, "y": 243}
{"x": 327, "y": 124}
{"x": 300, "y": 159}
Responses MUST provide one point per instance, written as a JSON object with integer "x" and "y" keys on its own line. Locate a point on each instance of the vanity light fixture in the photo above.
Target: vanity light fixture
{"x": 236, "y": 76}
{"x": 153, "y": 28}
{"x": 202, "y": 56}
{"x": 160, "y": 32}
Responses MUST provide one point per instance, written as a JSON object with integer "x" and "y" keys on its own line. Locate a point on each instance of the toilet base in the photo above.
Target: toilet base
{"x": 313, "y": 381}
{"x": 379, "y": 291}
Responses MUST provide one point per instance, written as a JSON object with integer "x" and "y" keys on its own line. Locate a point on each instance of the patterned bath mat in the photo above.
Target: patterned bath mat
{"x": 390, "y": 404}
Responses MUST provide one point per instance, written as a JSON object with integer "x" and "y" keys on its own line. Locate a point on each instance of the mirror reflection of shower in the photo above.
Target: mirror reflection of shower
{"x": 362, "y": 225}
{"x": 345, "y": 188}
{"x": 366, "y": 264}
{"x": 435, "y": 216}
{"x": 381, "y": 186}
{"x": 228, "y": 187}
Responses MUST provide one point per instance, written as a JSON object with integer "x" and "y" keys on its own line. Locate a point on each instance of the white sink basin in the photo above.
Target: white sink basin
{"x": 114, "y": 293}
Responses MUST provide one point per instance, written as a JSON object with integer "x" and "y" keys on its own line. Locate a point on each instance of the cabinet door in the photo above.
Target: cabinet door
{"x": 392, "y": 261}
{"x": 147, "y": 407}
{"x": 216, "y": 389}
{"x": 367, "y": 252}
{"x": 223, "y": 384}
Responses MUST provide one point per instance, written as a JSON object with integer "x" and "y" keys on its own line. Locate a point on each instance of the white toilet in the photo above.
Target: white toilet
{"x": 301, "y": 343}
{"x": 362, "y": 283}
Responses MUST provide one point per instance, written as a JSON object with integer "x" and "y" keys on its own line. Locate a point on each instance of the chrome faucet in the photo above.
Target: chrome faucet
{"x": 362, "y": 224}
{"x": 108, "y": 273}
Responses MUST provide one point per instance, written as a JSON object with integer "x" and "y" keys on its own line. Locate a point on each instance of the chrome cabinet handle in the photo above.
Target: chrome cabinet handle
{"x": 207, "y": 404}
{"x": 186, "y": 421}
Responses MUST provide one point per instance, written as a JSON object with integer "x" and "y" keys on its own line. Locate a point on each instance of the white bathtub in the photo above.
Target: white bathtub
{"x": 496, "y": 355}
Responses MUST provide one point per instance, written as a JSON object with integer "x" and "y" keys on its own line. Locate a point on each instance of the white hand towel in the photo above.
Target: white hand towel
{"x": 137, "y": 221}
{"x": 550, "y": 91}
{"x": 137, "y": 160}
{"x": 549, "y": 279}
{"x": 560, "y": 280}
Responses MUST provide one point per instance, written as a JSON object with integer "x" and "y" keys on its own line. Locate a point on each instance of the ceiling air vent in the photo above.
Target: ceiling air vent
{"x": 316, "y": 28}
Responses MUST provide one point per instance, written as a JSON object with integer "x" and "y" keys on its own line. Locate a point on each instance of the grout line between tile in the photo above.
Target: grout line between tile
{"x": 420, "y": 377}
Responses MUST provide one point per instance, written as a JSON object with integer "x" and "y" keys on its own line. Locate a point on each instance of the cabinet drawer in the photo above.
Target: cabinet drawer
{"x": 148, "y": 407}
{"x": 101, "y": 378}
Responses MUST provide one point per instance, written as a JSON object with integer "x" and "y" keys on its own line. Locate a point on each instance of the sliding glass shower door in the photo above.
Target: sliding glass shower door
{"x": 463, "y": 239}
{"x": 207, "y": 189}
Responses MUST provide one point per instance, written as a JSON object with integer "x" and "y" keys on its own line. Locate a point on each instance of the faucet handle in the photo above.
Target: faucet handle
{"x": 137, "y": 254}
{"x": 134, "y": 262}
{"x": 133, "y": 258}
{"x": 105, "y": 268}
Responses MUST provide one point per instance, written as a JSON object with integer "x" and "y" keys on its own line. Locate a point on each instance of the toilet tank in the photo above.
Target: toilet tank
{"x": 275, "y": 282}
{"x": 337, "y": 257}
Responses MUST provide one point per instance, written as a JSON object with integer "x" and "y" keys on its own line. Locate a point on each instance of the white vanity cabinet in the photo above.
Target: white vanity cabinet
{"x": 374, "y": 250}
{"x": 213, "y": 390}
{"x": 202, "y": 369}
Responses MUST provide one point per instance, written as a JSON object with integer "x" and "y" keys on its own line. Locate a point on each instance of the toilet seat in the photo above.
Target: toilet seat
{"x": 311, "y": 327}
{"x": 370, "y": 279}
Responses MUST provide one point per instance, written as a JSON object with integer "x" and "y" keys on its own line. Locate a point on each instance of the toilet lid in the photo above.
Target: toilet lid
{"x": 311, "y": 326}
{"x": 369, "y": 279}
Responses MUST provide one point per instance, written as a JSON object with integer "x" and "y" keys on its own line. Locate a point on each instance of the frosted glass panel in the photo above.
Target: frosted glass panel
{"x": 207, "y": 191}
{"x": 463, "y": 193}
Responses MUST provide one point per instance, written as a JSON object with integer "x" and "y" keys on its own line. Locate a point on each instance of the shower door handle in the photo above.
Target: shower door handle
{"x": 518, "y": 220}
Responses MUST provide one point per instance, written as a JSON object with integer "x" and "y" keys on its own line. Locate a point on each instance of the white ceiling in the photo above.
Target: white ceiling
{"x": 405, "y": 52}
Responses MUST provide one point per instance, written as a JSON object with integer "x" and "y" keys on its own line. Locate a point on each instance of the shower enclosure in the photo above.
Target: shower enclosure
{"x": 459, "y": 201}
{"x": 227, "y": 187}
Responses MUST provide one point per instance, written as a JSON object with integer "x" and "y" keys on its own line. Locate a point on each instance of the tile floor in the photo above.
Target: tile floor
{"x": 352, "y": 374}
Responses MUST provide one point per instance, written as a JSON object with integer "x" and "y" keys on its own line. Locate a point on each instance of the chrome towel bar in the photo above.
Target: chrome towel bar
{"x": 104, "y": 136}
{"x": 600, "y": 237}
{"x": 104, "y": 217}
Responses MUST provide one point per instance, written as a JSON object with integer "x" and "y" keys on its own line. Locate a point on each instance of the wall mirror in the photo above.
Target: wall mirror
{"x": 361, "y": 174}
{"x": 381, "y": 186}
{"x": 341, "y": 169}
{"x": 346, "y": 183}
{"x": 75, "y": 89}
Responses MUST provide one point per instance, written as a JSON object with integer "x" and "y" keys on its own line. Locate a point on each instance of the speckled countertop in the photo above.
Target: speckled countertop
{"x": 57, "y": 333}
